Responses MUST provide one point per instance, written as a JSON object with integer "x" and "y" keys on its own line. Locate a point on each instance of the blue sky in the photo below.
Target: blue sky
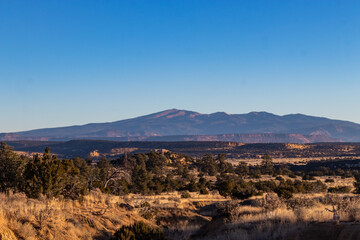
{"x": 73, "y": 62}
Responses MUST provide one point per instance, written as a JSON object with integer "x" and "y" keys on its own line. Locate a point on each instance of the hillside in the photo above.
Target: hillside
{"x": 181, "y": 125}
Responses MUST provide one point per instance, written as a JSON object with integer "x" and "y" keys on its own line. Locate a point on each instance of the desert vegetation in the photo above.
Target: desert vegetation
{"x": 166, "y": 195}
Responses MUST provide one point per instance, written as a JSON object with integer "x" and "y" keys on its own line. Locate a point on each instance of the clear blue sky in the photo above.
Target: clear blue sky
{"x": 73, "y": 62}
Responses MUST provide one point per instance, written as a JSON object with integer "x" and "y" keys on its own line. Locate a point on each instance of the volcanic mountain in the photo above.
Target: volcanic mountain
{"x": 182, "y": 125}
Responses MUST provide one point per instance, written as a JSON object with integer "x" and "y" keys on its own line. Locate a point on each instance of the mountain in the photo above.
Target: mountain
{"x": 243, "y": 138}
{"x": 176, "y": 125}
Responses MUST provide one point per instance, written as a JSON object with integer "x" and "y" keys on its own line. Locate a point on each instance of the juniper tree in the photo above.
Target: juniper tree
{"x": 11, "y": 168}
{"x": 140, "y": 177}
{"x": 208, "y": 165}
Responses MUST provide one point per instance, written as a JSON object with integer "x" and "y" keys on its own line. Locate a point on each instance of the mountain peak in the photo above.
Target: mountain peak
{"x": 260, "y": 113}
{"x": 171, "y": 113}
{"x": 220, "y": 114}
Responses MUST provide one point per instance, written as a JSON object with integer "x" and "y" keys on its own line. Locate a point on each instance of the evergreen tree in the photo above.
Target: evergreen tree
{"x": 11, "y": 168}
{"x": 155, "y": 162}
{"x": 267, "y": 165}
{"x": 242, "y": 169}
{"x": 208, "y": 165}
{"x": 140, "y": 177}
{"x": 224, "y": 167}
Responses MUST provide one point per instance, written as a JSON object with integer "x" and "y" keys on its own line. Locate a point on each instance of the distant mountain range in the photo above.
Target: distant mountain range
{"x": 182, "y": 125}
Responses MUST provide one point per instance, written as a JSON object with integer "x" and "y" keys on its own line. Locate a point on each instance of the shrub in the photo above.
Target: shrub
{"x": 357, "y": 186}
{"x": 185, "y": 194}
{"x": 245, "y": 193}
{"x": 204, "y": 191}
{"x": 266, "y": 186}
{"x": 139, "y": 231}
{"x": 329, "y": 180}
{"x": 255, "y": 175}
{"x": 284, "y": 193}
{"x": 148, "y": 215}
{"x": 339, "y": 189}
{"x": 280, "y": 178}
{"x": 145, "y": 205}
{"x": 308, "y": 177}
{"x": 317, "y": 186}
{"x": 226, "y": 186}
{"x": 291, "y": 175}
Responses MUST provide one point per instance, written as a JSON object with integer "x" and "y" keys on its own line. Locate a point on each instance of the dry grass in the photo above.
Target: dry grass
{"x": 97, "y": 216}
{"x": 277, "y": 160}
{"x": 174, "y": 200}
{"x": 338, "y": 181}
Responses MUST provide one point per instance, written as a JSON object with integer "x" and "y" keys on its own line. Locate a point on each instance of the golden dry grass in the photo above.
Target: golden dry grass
{"x": 174, "y": 199}
{"x": 98, "y": 215}
{"x": 280, "y": 160}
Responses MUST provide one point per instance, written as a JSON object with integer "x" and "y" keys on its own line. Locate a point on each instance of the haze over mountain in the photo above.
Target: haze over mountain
{"x": 182, "y": 125}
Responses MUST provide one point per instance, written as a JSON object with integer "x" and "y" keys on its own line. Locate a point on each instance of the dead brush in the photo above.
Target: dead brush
{"x": 343, "y": 207}
{"x": 86, "y": 220}
{"x": 272, "y": 202}
{"x": 300, "y": 202}
{"x": 354, "y": 212}
{"x": 43, "y": 216}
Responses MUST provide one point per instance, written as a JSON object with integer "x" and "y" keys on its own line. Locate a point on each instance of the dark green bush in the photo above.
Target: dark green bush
{"x": 329, "y": 180}
{"x": 148, "y": 215}
{"x": 339, "y": 189}
{"x": 308, "y": 177}
{"x": 139, "y": 231}
{"x": 185, "y": 194}
{"x": 284, "y": 193}
{"x": 245, "y": 193}
{"x": 145, "y": 205}
{"x": 204, "y": 191}
{"x": 280, "y": 178}
{"x": 291, "y": 175}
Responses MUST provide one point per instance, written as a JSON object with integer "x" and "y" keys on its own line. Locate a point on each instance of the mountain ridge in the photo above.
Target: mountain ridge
{"x": 175, "y": 122}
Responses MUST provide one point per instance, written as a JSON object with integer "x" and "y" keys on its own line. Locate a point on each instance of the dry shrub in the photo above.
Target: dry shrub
{"x": 24, "y": 230}
{"x": 352, "y": 210}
